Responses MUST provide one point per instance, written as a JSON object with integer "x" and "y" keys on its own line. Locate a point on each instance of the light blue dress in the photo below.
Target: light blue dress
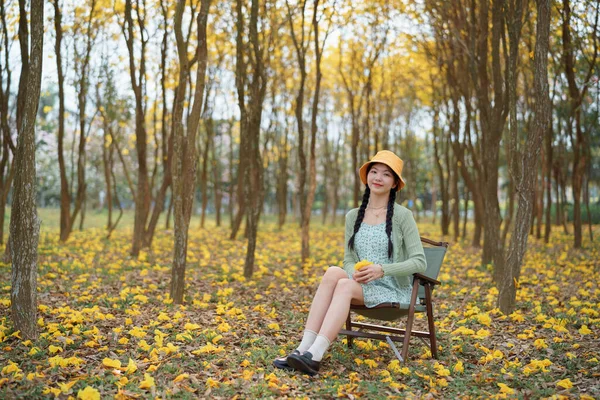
{"x": 371, "y": 243}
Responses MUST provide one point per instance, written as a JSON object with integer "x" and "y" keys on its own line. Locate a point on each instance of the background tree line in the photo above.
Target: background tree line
{"x": 245, "y": 108}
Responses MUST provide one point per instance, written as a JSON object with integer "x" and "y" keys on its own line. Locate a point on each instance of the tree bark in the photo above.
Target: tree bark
{"x": 8, "y": 147}
{"x": 24, "y": 222}
{"x": 257, "y": 90}
{"x": 184, "y": 143}
{"x": 65, "y": 195}
{"x": 526, "y": 172}
{"x": 576, "y": 96}
{"x": 142, "y": 200}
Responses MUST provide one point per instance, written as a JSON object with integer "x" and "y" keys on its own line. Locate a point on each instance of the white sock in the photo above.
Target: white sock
{"x": 307, "y": 340}
{"x": 319, "y": 347}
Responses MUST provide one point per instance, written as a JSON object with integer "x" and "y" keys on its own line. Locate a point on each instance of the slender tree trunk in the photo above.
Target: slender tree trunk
{"x": 576, "y": 96}
{"x": 445, "y": 220}
{"x": 24, "y": 222}
{"x": 184, "y": 142}
{"x": 216, "y": 176}
{"x": 587, "y": 206}
{"x": 65, "y": 195}
{"x": 257, "y": 90}
{"x": 107, "y": 166}
{"x": 527, "y": 170}
{"x": 307, "y": 211}
{"x": 455, "y": 203}
{"x": 6, "y": 166}
{"x": 169, "y": 211}
{"x": 465, "y": 216}
{"x": 209, "y": 125}
{"x": 540, "y": 196}
{"x": 282, "y": 178}
{"x": 548, "y": 182}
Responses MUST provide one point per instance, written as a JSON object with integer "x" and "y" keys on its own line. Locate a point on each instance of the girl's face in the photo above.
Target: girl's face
{"x": 381, "y": 179}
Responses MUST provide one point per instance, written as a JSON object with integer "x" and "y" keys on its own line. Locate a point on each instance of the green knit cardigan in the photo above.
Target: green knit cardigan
{"x": 408, "y": 256}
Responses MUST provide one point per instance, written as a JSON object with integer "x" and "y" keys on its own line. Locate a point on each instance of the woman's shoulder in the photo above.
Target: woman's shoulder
{"x": 352, "y": 214}
{"x": 401, "y": 213}
{"x": 401, "y": 210}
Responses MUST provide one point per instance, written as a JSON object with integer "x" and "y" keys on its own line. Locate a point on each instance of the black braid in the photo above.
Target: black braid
{"x": 388, "y": 221}
{"x": 360, "y": 216}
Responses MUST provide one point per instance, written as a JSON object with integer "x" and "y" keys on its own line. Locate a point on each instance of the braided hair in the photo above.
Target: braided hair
{"x": 388, "y": 218}
{"x": 360, "y": 216}
{"x": 388, "y": 221}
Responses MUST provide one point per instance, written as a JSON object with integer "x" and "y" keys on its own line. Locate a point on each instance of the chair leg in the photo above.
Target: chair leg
{"x": 409, "y": 321}
{"x": 349, "y": 327}
{"x": 432, "y": 340}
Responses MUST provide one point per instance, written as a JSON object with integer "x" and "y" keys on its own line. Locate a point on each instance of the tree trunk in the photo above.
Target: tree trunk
{"x": 209, "y": 125}
{"x": 184, "y": 143}
{"x": 465, "y": 216}
{"x": 216, "y": 176}
{"x": 142, "y": 201}
{"x": 65, "y": 195}
{"x": 455, "y": 203}
{"x": 282, "y": 178}
{"x": 254, "y": 183}
{"x": 576, "y": 96}
{"x": 527, "y": 170}
{"x": 445, "y": 220}
{"x": 24, "y": 222}
{"x": 548, "y": 182}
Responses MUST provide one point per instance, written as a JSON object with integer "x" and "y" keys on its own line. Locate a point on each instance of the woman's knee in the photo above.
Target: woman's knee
{"x": 347, "y": 287}
{"x": 333, "y": 275}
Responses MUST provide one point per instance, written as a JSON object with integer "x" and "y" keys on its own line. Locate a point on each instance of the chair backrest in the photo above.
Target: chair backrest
{"x": 435, "y": 257}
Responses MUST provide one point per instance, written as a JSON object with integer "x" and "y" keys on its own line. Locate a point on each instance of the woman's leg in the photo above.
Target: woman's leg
{"x": 321, "y": 301}
{"x": 346, "y": 291}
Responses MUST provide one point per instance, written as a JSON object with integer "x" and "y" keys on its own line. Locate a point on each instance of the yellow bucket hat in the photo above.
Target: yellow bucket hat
{"x": 388, "y": 158}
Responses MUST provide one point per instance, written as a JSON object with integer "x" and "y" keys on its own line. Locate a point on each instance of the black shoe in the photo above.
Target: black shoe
{"x": 304, "y": 363}
{"x": 282, "y": 363}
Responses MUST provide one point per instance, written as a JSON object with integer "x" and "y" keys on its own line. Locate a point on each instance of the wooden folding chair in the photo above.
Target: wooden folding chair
{"x": 421, "y": 301}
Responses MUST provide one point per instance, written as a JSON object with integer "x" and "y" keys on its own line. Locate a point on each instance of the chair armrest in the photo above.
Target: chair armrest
{"x": 426, "y": 279}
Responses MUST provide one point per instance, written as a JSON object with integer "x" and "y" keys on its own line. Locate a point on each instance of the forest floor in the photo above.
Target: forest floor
{"x": 108, "y": 328}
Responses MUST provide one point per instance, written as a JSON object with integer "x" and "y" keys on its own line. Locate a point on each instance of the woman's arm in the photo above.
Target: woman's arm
{"x": 415, "y": 261}
{"x": 350, "y": 257}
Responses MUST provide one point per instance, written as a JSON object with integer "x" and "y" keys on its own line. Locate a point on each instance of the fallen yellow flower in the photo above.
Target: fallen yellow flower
{"x": 110, "y": 363}
{"x": 361, "y": 264}
{"x": 131, "y": 367}
{"x": 147, "y": 383}
{"x": 505, "y": 389}
{"x": 181, "y": 377}
{"x": 565, "y": 383}
{"x": 584, "y": 330}
{"x": 89, "y": 393}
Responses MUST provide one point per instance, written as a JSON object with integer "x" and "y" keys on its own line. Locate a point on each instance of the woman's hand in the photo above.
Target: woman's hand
{"x": 369, "y": 273}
